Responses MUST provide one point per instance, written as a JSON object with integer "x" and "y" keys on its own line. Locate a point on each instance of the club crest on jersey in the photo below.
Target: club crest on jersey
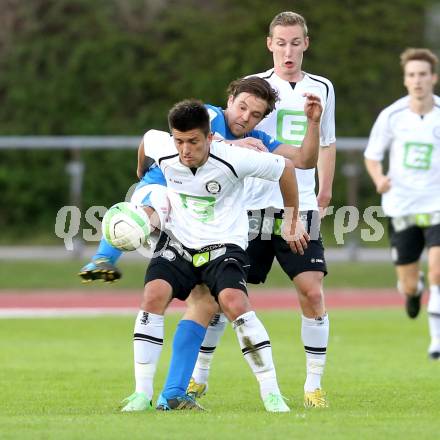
{"x": 168, "y": 255}
{"x": 213, "y": 187}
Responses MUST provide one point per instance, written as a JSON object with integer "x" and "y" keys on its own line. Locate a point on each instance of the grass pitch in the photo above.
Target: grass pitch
{"x": 63, "y": 379}
{"x": 41, "y": 274}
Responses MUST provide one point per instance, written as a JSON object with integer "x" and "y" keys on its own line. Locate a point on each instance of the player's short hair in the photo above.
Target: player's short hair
{"x": 256, "y": 86}
{"x": 188, "y": 115}
{"x": 288, "y": 18}
{"x": 419, "y": 54}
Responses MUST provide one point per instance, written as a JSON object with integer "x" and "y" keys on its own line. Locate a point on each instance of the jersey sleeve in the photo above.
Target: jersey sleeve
{"x": 250, "y": 163}
{"x": 217, "y": 120}
{"x": 380, "y": 138}
{"x": 328, "y": 134}
{"x": 158, "y": 144}
{"x": 269, "y": 142}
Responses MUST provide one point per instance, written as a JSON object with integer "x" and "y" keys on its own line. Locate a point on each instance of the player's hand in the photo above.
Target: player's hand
{"x": 296, "y": 236}
{"x": 250, "y": 143}
{"x": 383, "y": 184}
{"x": 312, "y": 107}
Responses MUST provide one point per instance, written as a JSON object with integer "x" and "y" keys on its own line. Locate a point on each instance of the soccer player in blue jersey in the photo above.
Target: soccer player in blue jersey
{"x": 249, "y": 101}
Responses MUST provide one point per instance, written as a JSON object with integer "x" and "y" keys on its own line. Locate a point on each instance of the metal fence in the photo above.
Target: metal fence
{"x": 75, "y": 166}
{"x": 351, "y": 168}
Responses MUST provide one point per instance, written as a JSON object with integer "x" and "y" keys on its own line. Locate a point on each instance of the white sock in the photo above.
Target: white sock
{"x": 314, "y": 333}
{"x": 255, "y": 346}
{"x": 214, "y": 332}
{"x": 434, "y": 318}
{"x": 147, "y": 343}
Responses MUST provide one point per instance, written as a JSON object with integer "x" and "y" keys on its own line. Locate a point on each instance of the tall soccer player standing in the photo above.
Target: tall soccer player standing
{"x": 288, "y": 41}
{"x": 410, "y": 129}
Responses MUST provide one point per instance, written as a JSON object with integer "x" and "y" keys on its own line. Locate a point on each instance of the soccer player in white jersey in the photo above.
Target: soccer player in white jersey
{"x": 288, "y": 41}
{"x": 206, "y": 242}
{"x": 249, "y": 100}
{"x": 410, "y": 129}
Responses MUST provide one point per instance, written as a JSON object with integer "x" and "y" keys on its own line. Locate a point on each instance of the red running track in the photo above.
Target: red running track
{"x": 269, "y": 299}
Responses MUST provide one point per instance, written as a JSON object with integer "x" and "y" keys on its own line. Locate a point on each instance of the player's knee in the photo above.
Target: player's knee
{"x": 201, "y": 297}
{"x": 157, "y": 295}
{"x": 313, "y": 295}
{"x": 206, "y": 305}
{"x": 200, "y": 292}
{"x": 234, "y": 303}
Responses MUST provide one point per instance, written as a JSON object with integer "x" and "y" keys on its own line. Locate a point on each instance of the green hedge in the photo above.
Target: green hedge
{"x": 115, "y": 67}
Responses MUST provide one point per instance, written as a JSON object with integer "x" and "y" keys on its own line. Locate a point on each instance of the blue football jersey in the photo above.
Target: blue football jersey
{"x": 220, "y": 128}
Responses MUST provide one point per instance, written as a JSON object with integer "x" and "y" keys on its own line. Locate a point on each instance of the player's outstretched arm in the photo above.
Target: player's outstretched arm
{"x": 293, "y": 230}
{"x": 307, "y": 155}
{"x": 250, "y": 143}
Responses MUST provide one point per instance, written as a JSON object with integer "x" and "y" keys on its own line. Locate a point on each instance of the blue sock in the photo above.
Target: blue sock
{"x": 106, "y": 250}
{"x": 186, "y": 344}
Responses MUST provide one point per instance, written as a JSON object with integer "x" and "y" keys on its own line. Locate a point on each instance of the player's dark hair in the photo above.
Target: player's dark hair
{"x": 188, "y": 115}
{"x": 256, "y": 86}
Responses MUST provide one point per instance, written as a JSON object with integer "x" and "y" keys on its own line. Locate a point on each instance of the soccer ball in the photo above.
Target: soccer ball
{"x": 126, "y": 226}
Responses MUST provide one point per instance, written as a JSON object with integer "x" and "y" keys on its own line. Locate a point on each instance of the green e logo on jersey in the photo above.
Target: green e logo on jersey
{"x": 202, "y": 207}
{"x": 417, "y": 156}
{"x": 291, "y": 126}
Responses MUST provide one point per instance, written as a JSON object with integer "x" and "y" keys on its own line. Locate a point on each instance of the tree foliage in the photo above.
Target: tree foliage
{"x": 115, "y": 67}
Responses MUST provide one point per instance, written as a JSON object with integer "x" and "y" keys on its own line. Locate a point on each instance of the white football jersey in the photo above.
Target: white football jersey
{"x": 207, "y": 205}
{"x": 288, "y": 124}
{"x": 414, "y": 158}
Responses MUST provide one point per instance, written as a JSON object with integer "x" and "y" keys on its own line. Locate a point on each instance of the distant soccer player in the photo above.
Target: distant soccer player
{"x": 410, "y": 129}
{"x": 208, "y": 233}
{"x": 287, "y": 41}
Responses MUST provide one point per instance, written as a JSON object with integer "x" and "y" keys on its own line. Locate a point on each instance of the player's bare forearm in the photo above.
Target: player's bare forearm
{"x": 292, "y": 230}
{"x": 309, "y": 151}
{"x": 307, "y": 155}
{"x": 326, "y": 173}
{"x": 141, "y": 161}
{"x": 375, "y": 170}
{"x": 289, "y": 190}
{"x": 250, "y": 143}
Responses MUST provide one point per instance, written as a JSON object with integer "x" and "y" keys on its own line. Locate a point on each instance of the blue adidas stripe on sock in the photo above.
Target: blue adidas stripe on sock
{"x": 186, "y": 344}
{"x": 105, "y": 250}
